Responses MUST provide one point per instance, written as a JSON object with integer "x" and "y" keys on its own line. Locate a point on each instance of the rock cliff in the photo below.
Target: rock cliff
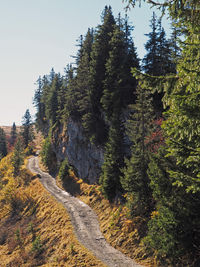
{"x": 69, "y": 141}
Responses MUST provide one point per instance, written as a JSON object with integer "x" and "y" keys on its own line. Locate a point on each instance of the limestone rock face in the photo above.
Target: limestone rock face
{"x": 87, "y": 158}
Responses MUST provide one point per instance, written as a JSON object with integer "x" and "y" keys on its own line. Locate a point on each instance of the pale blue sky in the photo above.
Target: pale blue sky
{"x": 37, "y": 35}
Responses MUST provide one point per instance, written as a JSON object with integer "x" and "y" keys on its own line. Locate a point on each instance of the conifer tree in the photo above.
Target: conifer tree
{"x": 27, "y": 128}
{"x": 13, "y": 134}
{"x": 158, "y": 61}
{"x": 114, "y": 75}
{"x": 135, "y": 180}
{"x": 174, "y": 44}
{"x": 165, "y": 60}
{"x": 38, "y": 103}
{"x": 17, "y": 157}
{"x": 51, "y": 107}
{"x": 119, "y": 83}
{"x": 176, "y": 186}
{"x": 113, "y": 161}
{"x": 182, "y": 124}
{"x": 77, "y": 100}
{"x": 151, "y": 59}
{"x": 3, "y": 144}
{"x": 173, "y": 230}
{"x": 93, "y": 122}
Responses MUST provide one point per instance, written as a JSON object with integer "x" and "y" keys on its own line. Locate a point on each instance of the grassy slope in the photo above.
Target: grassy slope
{"x": 121, "y": 232}
{"x": 37, "y": 231}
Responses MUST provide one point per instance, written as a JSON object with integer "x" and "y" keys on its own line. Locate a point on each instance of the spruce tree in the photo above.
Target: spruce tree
{"x": 113, "y": 161}
{"x": 27, "y": 128}
{"x": 174, "y": 44}
{"x": 114, "y": 75}
{"x": 13, "y": 134}
{"x": 40, "y": 107}
{"x": 17, "y": 157}
{"x": 119, "y": 83}
{"x": 151, "y": 59}
{"x": 93, "y": 121}
{"x": 77, "y": 100}
{"x": 51, "y": 107}
{"x": 135, "y": 180}
{"x": 3, "y": 144}
{"x": 158, "y": 61}
{"x": 173, "y": 230}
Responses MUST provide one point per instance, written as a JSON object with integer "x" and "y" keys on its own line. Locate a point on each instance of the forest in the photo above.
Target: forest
{"x": 144, "y": 114}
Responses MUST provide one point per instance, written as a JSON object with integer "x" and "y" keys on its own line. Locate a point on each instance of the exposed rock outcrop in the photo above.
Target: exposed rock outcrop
{"x": 87, "y": 158}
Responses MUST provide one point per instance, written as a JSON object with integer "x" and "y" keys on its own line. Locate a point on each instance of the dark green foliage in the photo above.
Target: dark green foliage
{"x": 3, "y": 144}
{"x": 39, "y": 104}
{"x": 13, "y": 134}
{"x": 37, "y": 246}
{"x": 79, "y": 85}
{"x": 18, "y": 157}
{"x": 151, "y": 59}
{"x": 64, "y": 169}
{"x": 174, "y": 227}
{"x": 51, "y": 107}
{"x": 92, "y": 120}
{"x": 119, "y": 83}
{"x": 113, "y": 161}
{"x": 136, "y": 180}
{"x": 158, "y": 60}
{"x": 48, "y": 155}
{"x": 27, "y": 128}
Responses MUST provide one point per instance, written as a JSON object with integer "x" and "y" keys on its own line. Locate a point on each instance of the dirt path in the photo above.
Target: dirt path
{"x": 85, "y": 222}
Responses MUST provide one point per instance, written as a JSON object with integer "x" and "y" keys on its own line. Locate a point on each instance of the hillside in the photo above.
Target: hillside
{"x": 35, "y": 230}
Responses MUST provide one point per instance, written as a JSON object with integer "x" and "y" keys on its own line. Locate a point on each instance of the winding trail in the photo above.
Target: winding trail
{"x": 85, "y": 222}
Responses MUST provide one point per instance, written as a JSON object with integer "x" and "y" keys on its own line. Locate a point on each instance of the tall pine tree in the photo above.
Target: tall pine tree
{"x": 135, "y": 180}
{"x": 93, "y": 121}
{"x": 27, "y": 128}
{"x": 3, "y": 144}
{"x": 13, "y": 134}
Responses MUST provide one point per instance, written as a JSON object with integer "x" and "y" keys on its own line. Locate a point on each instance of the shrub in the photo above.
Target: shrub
{"x": 64, "y": 169}
{"x": 37, "y": 246}
{"x": 48, "y": 156}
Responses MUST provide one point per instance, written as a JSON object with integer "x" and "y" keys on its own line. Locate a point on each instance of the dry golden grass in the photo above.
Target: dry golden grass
{"x": 39, "y": 233}
{"x": 121, "y": 232}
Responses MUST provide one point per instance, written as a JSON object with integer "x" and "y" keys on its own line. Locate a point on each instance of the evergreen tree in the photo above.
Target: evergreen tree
{"x": 51, "y": 107}
{"x": 77, "y": 90}
{"x": 17, "y": 157}
{"x": 40, "y": 106}
{"x": 3, "y": 144}
{"x": 113, "y": 161}
{"x": 173, "y": 230}
{"x": 165, "y": 60}
{"x": 119, "y": 83}
{"x": 151, "y": 59}
{"x": 158, "y": 61}
{"x": 93, "y": 121}
{"x": 114, "y": 76}
{"x": 174, "y": 44}
{"x": 70, "y": 106}
{"x": 176, "y": 186}
{"x": 13, "y": 134}
{"x": 182, "y": 124}
{"x": 27, "y": 128}
{"x": 136, "y": 180}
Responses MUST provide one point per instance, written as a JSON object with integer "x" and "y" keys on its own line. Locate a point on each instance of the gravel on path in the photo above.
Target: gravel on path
{"x": 84, "y": 220}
